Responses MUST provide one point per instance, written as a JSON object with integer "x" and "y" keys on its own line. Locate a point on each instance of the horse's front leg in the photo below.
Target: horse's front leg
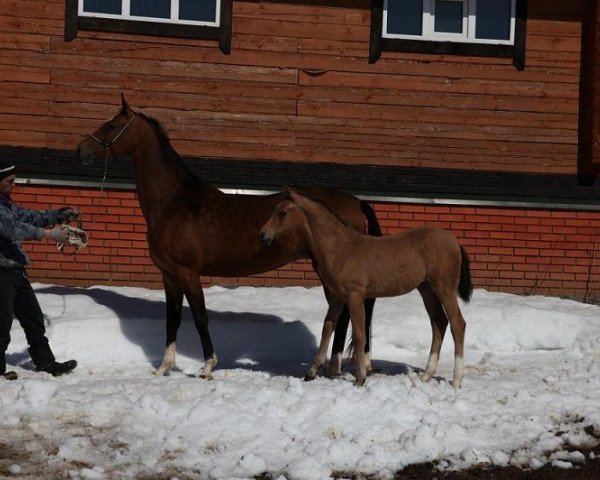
{"x": 339, "y": 339}
{"x": 357, "y": 317}
{"x": 195, "y": 297}
{"x": 333, "y": 312}
{"x": 174, "y": 299}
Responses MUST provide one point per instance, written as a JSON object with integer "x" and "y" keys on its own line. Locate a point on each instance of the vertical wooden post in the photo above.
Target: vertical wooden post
{"x": 596, "y": 85}
{"x": 226, "y": 26}
{"x": 588, "y": 161}
{"x": 71, "y": 13}
{"x": 376, "y": 30}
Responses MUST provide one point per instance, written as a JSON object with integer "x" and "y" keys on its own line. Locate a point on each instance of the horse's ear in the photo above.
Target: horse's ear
{"x": 125, "y": 108}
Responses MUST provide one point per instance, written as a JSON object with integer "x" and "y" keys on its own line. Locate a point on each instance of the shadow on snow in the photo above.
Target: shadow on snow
{"x": 252, "y": 341}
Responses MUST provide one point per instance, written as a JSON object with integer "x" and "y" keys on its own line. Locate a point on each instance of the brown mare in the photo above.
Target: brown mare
{"x": 195, "y": 229}
{"x": 353, "y": 266}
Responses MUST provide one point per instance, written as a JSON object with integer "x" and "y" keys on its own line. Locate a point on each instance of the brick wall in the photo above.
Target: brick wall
{"x": 525, "y": 251}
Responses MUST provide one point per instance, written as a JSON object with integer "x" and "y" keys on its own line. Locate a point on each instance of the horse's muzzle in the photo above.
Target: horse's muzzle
{"x": 265, "y": 238}
{"x": 84, "y": 159}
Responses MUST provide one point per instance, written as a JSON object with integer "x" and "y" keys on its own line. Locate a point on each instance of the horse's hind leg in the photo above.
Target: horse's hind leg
{"x": 339, "y": 340}
{"x": 439, "y": 322}
{"x": 174, "y": 299}
{"x": 195, "y": 297}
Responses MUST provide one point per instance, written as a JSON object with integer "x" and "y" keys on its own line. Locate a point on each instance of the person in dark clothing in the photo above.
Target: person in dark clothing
{"x": 17, "y": 298}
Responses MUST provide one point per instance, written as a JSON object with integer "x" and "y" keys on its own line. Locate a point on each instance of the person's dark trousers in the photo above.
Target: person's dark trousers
{"x": 18, "y": 299}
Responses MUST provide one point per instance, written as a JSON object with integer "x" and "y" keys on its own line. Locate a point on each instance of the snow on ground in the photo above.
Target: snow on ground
{"x": 529, "y": 395}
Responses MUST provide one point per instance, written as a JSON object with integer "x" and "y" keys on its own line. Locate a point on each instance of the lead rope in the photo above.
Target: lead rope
{"x": 77, "y": 237}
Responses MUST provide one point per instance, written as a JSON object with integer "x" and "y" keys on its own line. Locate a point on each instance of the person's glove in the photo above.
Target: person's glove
{"x": 59, "y": 235}
{"x": 66, "y": 215}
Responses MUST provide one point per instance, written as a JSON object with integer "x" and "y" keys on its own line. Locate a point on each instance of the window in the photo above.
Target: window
{"x": 203, "y": 19}
{"x": 474, "y": 21}
{"x": 463, "y": 27}
{"x": 188, "y": 12}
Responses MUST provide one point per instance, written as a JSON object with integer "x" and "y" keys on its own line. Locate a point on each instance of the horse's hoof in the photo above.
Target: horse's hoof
{"x": 425, "y": 377}
{"x": 360, "y": 382}
{"x": 207, "y": 376}
{"x": 308, "y": 378}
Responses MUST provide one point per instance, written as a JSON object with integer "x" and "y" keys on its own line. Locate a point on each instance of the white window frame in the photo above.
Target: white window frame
{"x": 174, "y": 18}
{"x": 469, "y": 25}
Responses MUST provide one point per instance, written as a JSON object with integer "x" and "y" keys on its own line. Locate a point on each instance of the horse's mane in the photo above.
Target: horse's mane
{"x": 167, "y": 149}
{"x": 156, "y": 124}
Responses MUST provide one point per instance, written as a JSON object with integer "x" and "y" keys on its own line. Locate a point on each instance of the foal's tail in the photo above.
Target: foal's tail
{"x": 465, "y": 285}
{"x": 373, "y": 227}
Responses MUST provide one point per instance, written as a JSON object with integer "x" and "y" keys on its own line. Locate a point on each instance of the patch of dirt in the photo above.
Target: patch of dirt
{"x": 590, "y": 470}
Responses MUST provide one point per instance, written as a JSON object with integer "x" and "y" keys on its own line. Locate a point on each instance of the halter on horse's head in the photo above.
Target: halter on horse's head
{"x": 105, "y": 137}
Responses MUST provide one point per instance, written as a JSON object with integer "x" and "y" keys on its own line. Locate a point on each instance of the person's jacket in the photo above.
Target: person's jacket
{"x": 18, "y": 224}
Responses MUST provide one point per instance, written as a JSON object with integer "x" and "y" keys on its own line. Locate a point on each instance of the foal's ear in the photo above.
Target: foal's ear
{"x": 291, "y": 193}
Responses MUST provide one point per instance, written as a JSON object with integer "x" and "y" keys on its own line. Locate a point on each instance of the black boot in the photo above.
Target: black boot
{"x": 44, "y": 360}
{"x": 41, "y": 355}
{"x": 3, "y": 373}
{"x": 59, "y": 368}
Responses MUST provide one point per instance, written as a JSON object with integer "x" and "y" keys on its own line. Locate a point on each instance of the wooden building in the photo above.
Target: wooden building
{"x": 480, "y": 117}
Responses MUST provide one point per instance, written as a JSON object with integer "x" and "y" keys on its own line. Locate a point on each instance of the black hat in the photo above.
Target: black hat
{"x": 6, "y": 169}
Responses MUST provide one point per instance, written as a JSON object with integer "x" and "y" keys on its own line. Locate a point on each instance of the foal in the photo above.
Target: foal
{"x": 354, "y": 266}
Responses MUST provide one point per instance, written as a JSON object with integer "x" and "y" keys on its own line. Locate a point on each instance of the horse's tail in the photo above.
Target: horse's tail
{"x": 465, "y": 285}
{"x": 373, "y": 227}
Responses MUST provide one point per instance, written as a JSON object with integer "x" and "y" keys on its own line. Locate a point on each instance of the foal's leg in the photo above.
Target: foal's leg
{"x": 357, "y": 317}
{"x": 174, "y": 299}
{"x": 439, "y": 322}
{"x": 457, "y": 327}
{"x": 333, "y": 312}
{"x": 341, "y": 329}
{"x": 195, "y": 297}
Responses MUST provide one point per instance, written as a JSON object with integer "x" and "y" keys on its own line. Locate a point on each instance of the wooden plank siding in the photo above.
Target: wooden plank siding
{"x": 297, "y": 86}
{"x": 297, "y": 100}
